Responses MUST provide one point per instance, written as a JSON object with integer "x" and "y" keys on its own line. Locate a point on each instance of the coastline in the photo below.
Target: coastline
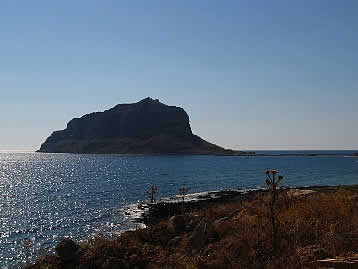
{"x": 206, "y": 154}
{"x": 198, "y": 230}
{"x": 213, "y": 203}
{"x": 144, "y": 213}
{"x": 229, "y": 152}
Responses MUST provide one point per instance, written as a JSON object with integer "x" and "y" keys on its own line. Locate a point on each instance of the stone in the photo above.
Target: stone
{"x": 67, "y": 249}
{"x": 176, "y": 224}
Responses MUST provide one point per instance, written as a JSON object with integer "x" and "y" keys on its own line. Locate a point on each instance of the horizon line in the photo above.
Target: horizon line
{"x": 34, "y": 151}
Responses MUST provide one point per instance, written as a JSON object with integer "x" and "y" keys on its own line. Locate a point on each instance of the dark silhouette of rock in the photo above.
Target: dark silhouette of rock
{"x": 67, "y": 249}
{"x": 148, "y": 126}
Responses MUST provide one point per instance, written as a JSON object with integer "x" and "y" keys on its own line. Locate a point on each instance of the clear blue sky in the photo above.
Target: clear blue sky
{"x": 251, "y": 74}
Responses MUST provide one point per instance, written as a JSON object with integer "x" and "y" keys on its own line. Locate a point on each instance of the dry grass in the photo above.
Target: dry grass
{"x": 312, "y": 226}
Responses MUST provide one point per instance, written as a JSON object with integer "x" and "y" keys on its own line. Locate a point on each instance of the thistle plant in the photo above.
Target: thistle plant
{"x": 151, "y": 194}
{"x": 182, "y": 193}
{"x": 272, "y": 181}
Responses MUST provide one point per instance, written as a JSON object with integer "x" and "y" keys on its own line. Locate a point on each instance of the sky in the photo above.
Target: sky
{"x": 251, "y": 74}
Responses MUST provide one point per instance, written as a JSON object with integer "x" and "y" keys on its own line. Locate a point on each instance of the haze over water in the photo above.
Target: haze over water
{"x": 44, "y": 197}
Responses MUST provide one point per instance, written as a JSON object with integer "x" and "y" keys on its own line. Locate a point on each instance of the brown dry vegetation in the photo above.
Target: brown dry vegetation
{"x": 238, "y": 235}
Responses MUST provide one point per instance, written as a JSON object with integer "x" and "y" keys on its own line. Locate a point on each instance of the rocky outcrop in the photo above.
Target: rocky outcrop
{"x": 148, "y": 126}
{"x": 176, "y": 224}
{"x": 67, "y": 249}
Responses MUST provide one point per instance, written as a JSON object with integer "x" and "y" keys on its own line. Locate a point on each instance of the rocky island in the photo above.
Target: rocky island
{"x": 145, "y": 127}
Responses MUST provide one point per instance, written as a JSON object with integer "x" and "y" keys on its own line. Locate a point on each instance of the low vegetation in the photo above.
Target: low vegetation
{"x": 232, "y": 234}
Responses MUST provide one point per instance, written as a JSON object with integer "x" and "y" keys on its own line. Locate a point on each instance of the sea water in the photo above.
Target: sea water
{"x": 45, "y": 197}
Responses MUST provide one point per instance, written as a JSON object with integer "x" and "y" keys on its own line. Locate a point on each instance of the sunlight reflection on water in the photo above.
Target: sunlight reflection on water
{"x": 44, "y": 197}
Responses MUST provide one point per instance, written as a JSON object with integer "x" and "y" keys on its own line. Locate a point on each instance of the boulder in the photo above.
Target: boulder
{"x": 67, "y": 249}
{"x": 176, "y": 224}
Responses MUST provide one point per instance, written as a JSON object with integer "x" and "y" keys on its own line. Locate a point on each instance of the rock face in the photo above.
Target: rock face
{"x": 66, "y": 250}
{"x": 148, "y": 126}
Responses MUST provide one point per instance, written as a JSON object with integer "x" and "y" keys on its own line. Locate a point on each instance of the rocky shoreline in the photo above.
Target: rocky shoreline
{"x": 227, "y": 229}
{"x": 144, "y": 213}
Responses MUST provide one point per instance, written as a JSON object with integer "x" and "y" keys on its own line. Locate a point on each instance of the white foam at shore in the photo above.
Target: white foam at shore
{"x": 135, "y": 212}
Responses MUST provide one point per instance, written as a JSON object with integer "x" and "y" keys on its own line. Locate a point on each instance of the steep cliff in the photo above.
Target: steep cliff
{"x": 148, "y": 126}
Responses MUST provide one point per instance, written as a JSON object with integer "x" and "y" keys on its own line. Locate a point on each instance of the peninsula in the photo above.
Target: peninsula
{"x": 145, "y": 127}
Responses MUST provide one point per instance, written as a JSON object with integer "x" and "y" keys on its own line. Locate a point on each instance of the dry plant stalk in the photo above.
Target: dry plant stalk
{"x": 272, "y": 181}
{"x": 151, "y": 193}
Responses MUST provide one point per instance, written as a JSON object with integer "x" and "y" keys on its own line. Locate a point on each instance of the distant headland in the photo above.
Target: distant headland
{"x": 145, "y": 127}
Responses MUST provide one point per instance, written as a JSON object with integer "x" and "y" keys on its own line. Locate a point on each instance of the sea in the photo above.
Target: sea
{"x": 46, "y": 197}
